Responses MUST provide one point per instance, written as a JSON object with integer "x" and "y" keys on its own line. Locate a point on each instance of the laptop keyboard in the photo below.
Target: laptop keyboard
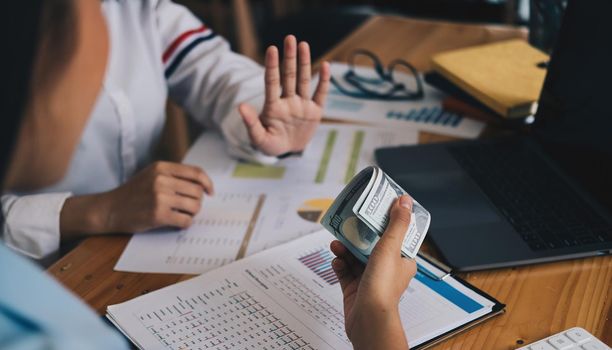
{"x": 534, "y": 199}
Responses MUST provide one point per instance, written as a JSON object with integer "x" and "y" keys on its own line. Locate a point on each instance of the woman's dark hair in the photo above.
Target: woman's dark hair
{"x": 38, "y": 39}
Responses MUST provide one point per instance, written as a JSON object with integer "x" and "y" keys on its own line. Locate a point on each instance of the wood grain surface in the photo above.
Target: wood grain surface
{"x": 541, "y": 299}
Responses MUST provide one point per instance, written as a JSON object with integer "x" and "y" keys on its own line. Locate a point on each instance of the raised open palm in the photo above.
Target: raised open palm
{"x": 290, "y": 116}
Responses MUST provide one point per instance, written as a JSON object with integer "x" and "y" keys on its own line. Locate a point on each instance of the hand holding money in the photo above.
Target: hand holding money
{"x": 359, "y": 215}
{"x": 372, "y": 292}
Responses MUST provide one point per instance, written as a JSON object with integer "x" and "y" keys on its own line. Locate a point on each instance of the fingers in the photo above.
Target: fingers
{"x": 296, "y": 73}
{"x": 345, "y": 276}
{"x": 304, "y": 71}
{"x": 393, "y": 236}
{"x": 323, "y": 86}
{"x": 183, "y": 204}
{"x": 341, "y": 268}
{"x": 186, "y": 172}
{"x": 173, "y": 210}
{"x": 289, "y": 66}
{"x": 185, "y": 188}
{"x": 338, "y": 248}
{"x": 272, "y": 75}
{"x": 353, "y": 265}
{"x": 178, "y": 219}
{"x": 256, "y": 130}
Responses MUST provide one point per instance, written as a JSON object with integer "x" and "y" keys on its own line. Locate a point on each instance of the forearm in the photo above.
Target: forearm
{"x": 380, "y": 329}
{"x": 83, "y": 215}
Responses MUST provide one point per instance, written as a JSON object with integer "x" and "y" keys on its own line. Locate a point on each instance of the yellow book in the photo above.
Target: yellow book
{"x": 504, "y": 76}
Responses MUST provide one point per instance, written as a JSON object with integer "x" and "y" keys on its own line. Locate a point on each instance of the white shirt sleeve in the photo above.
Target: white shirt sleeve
{"x": 208, "y": 79}
{"x": 32, "y": 223}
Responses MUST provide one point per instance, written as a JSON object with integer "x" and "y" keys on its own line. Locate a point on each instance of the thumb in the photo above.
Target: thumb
{"x": 394, "y": 235}
{"x": 256, "y": 130}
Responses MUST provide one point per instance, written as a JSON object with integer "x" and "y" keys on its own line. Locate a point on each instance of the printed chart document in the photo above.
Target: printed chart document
{"x": 425, "y": 114}
{"x": 258, "y": 206}
{"x": 230, "y": 226}
{"x": 335, "y": 154}
{"x": 286, "y": 297}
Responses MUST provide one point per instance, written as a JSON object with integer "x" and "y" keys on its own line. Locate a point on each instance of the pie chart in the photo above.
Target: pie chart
{"x": 313, "y": 209}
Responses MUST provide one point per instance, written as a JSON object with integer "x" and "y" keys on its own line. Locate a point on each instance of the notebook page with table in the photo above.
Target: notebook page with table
{"x": 286, "y": 297}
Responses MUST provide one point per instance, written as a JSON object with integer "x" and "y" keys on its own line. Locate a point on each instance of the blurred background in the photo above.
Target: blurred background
{"x": 252, "y": 25}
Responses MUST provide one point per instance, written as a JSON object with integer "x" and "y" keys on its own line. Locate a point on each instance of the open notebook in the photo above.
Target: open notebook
{"x": 288, "y": 297}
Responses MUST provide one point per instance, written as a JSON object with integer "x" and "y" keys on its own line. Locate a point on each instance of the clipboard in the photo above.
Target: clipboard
{"x": 270, "y": 280}
{"x": 497, "y": 309}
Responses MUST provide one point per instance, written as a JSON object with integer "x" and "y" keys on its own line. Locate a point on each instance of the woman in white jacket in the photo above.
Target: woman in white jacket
{"x": 159, "y": 48}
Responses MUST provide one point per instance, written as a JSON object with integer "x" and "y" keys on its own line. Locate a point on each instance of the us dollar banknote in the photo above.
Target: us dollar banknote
{"x": 360, "y": 214}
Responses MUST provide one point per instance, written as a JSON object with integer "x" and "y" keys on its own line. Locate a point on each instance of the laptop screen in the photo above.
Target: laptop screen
{"x": 574, "y": 119}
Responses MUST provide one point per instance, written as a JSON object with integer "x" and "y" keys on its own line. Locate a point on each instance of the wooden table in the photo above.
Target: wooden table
{"x": 541, "y": 299}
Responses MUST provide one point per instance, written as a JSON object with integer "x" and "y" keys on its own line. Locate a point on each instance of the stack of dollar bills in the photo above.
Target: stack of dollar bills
{"x": 360, "y": 214}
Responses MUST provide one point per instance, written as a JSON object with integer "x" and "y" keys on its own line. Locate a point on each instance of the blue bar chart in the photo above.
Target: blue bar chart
{"x": 433, "y": 115}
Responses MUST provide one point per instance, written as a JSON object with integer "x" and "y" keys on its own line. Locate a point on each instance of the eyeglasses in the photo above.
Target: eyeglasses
{"x": 400, "y": 81}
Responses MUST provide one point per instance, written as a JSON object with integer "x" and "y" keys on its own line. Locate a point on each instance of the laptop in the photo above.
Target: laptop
{"x": 543, "y": 195}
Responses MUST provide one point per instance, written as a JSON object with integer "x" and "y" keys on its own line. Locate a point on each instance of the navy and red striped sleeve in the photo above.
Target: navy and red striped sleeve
{"x": 182, "y": 45}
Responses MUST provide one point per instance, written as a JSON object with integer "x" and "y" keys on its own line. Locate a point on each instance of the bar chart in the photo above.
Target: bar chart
{"x": 319, "y": 262}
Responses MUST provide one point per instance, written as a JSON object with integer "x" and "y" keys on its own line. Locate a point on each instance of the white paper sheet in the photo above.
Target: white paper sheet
{"x": 258, "y": 209}
{"x": 335, "y": 154}
{"x": 425, "y": 114}
{"x": 283, "y": 298}
{"x": 230, "y": 225}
